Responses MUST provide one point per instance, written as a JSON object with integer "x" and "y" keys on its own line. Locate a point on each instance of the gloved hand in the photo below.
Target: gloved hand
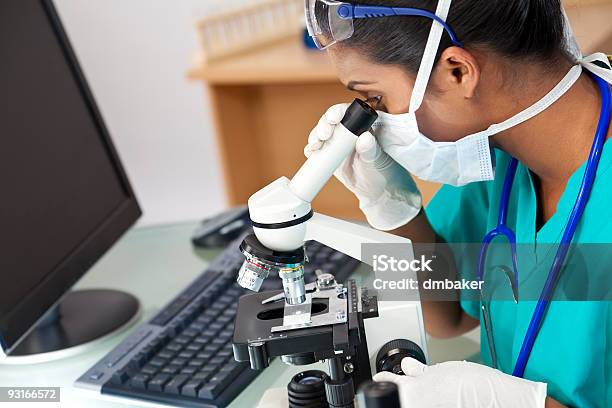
{"x": 460, "y": 384}
{"x": 387, "y": 194}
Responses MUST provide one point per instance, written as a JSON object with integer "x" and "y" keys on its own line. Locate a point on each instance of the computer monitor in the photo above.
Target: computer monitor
{"x": 64, "y": 197}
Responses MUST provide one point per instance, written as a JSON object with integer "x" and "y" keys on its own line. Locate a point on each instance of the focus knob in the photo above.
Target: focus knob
{"x": 258, "y": 356}
{"x": 340, "y": 394}
{"x": 390, "y": 356}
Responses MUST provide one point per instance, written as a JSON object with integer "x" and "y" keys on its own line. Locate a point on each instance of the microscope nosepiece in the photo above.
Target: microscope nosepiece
{"x": 261, "y": 262}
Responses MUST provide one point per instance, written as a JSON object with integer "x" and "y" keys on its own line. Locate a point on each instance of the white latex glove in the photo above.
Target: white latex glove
{"x": 459, "y": 384}
{"x": 387, "y": 194}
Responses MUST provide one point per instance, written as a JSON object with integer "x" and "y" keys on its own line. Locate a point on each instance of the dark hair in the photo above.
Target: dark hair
{"x": 531, "y": 30}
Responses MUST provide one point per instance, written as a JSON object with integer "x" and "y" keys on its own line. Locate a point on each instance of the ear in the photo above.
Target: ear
{"x": 457, "y": 71}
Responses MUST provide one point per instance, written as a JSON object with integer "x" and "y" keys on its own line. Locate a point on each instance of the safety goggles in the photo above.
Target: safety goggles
{"x": 330, "y": 21}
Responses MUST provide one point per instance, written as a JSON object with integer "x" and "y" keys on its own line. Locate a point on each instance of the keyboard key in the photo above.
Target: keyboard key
{"x": 139, "y": 381}
{"x": 208, "y": 333}
{"x": 163, "y": 337}
{"x": 205, "y": 355}
{"x": 230, "y": 311}
{"x": 212, "y": 348}
{"x": 203, "y": 375}
{"x": 174, "y": 346}
{"x": 203, "y": 340}
{"x": 197, "y": 326}
{"x": 178, "y": 361}
{"x": 194, "y": 347}
{"x": 224, "y": 319}
{"x": 186, "y": 354}
{"x": 154, "y": 347}
{"x": 216, "y": 361}
{"x": 189, "y": 370}
{"x": 171, "y": 369}
{"x": 205, "y": 300}
{"x": 226, "y": 299}
{"x": 233, "y": 368}
{"x": 157, "y": 383}
{"x": 174, "y": 328}
{"x": 212, "y": 313}
{"x": 221, "y": 341}
{"x": 119, "y": 377}
{"x": 191, "y": 388}
{"x": 227, "y": 333}
{"x": 158, "y": 362}
{"x": 205, "y": 319}
{"x": 224, "y": 377}
{"x": 211, "y": 390}
{"x": 215, "y": 327}
{"x": 137, "y": 361}
{"x": 149, "y": 370}
{"x": 190, "y": 333}
{"x": 166, "y": 354}
{"x": 197, "y": 362}
{"x": 175, "y": 384}
{"x": 219, "y": 381}
{"x": 182, "y": 339}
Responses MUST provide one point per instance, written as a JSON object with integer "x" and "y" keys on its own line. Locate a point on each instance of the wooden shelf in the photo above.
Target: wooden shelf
{"x": 286, "y": 61}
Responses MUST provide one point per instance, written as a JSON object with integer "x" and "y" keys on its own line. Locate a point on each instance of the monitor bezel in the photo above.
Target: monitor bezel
{"x": 24, "y": 316}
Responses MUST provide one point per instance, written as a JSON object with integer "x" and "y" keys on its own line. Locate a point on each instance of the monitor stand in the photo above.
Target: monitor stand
{"x": 78, "y": 321}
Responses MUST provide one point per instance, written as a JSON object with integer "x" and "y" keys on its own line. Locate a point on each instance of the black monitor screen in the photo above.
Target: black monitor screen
{"x": 61, "y": 187}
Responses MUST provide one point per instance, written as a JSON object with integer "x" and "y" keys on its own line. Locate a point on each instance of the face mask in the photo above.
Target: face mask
{"x": 455, "y": 163}
{"x": 470, "y": 159}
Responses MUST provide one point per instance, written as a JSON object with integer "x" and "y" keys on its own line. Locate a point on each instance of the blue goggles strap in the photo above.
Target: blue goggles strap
{"x": 351, "y": 11}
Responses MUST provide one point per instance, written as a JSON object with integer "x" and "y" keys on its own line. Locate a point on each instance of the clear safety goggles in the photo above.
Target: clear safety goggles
{"x": 330, "y": 21}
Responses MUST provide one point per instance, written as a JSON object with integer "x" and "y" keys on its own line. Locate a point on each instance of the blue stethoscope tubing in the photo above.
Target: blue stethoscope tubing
{"x": 581, "y": 200}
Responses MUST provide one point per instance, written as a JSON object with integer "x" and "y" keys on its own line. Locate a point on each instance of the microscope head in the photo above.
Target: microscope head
{"x": 279, "y": 221}
{"x": 279, "y": 216}
{"x": 280, "y": 212}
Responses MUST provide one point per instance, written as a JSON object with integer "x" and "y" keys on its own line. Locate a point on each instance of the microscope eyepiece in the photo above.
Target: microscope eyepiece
{"x": 359, "y": 117}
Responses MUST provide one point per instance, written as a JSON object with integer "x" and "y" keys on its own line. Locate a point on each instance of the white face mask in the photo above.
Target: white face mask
{"x": 470, "y": 159}
{"x": 456, "y": 163}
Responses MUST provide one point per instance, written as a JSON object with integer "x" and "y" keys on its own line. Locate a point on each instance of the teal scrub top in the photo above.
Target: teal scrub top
{"x": 573, "y": 351}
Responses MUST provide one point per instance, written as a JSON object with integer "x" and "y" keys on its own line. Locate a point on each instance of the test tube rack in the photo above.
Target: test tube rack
{"x": 240, "y": 30}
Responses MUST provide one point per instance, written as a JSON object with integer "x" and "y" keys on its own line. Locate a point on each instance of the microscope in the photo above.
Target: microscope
{"x": 322, "y": 320}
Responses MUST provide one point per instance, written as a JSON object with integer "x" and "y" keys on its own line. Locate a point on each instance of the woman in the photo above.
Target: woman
{"x": 494, "y": 60}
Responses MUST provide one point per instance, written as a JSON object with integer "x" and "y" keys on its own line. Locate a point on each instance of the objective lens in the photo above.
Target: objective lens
{"x": 293, "y": 284}
{"x": 252, "y": 275}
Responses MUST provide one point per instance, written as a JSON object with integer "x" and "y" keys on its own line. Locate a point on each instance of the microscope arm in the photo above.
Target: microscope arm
{"x": 347, "y": 237}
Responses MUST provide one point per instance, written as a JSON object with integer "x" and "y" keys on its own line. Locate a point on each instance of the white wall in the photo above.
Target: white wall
{"x": 135, "y": 54}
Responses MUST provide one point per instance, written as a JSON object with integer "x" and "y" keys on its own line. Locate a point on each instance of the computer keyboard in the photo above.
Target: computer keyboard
{"x": 183, "y": 356}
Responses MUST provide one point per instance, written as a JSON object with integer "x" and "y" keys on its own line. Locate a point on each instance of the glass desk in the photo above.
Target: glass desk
{"x": 154, "y": 264}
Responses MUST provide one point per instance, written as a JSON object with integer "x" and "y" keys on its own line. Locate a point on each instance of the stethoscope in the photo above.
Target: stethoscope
{"x": 502, "y": 230}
